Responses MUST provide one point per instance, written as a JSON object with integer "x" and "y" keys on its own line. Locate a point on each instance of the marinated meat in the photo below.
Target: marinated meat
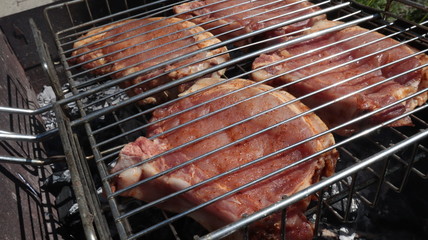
{"x": 251, "y": 199}
{"x": 228, "y": 19}
{"x": 369, "y": 65}
{"x": 130, "y": 46}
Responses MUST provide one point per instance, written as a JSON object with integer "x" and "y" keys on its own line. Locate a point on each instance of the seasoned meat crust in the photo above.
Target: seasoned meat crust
{"x": 129, "y": 46}
{"x": 228, "y": 19}
{"x": 246, "y": 201}
{"x": 375, "y": 65}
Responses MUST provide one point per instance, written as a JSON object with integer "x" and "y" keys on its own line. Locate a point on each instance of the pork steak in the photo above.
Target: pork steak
{"x": 248, "y": 200}
{"x": 346, "y": 59}
{"x": 129, "y": 46}
{"x": 228, "y": 19}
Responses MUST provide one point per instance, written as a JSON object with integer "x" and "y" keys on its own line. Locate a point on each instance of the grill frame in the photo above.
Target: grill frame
{"x": 78, "y": 164}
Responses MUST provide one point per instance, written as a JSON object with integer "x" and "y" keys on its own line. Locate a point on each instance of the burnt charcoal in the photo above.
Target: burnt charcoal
{"x": 69, "y": 218}
{"x": 53, "y": 147}
{"x": 183, "y": 228}
{"x": 402, "y": 215}
{"x": 183, "y": 225}
{"x": 397, "y": 215}
{"x": 56, "y": 181}
{"x": 64, "y": 201}
{"x": 143, "y": 220}
{"x": 72, "y": 230}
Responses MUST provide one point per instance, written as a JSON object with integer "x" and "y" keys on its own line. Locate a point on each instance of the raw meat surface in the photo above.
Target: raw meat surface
{"x": 228, "y": 19}
{"x": 321, "y": 76}
{"x": 129, "y": 46}
{"x": 246, "y": 201}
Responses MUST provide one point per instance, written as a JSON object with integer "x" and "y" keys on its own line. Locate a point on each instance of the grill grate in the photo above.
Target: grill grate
{"x": 390, "y": 155}
{"x": 350, "y": 188}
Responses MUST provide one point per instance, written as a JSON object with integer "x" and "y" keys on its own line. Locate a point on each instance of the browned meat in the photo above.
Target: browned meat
{"x": 360, "y": 103}
{"x": 130, "y": 46}
{"x": 237, "y": 17}
{"x": 247, "y": 201}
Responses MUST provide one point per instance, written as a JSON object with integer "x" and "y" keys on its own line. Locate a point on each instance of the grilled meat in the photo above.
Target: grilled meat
{"x": 130, "y": 46}
{"x": 362, "y": 65}
{"x": 228, "y": 19}
{"x": 246, "y": 201}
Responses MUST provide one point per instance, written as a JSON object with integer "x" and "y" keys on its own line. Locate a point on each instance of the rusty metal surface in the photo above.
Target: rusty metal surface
{"x": 26, "y": 211}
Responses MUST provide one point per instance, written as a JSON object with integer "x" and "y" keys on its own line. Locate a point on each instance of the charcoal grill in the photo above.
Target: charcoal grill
{"x": 372, "y": 160}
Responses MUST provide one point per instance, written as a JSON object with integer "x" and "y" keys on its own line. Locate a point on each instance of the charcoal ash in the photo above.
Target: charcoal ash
{"x": 56, "y": 181}
{"x": 340, "y": 187}
{"x": 396, "y": 216}
{"x": 341, "y": 233}
{"x": 110, "y": 96}
{"x": 59, "y": 182}
{"x": 44, "y": 98}
{"x": 401, "y": 215}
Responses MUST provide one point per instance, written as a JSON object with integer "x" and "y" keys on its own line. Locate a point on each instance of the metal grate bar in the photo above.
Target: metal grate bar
{"x": 136, "y": 64}
{"x": 348, "y": 178}
{"x": 162, "y": 10}
{"x": 312, "y": 110}
{"x": 202, "y": 156}
{"x": 225, "y": 231}
{"x": 174, "y": 115}
{"x": 115, "y": 82}
{"x": 144, "y": 26}
{"x": 305, "y": 66}
{"x": 134, "y": 186}
{"x": 276, "y": 207}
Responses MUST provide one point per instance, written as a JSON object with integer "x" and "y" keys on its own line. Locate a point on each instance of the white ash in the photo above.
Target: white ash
{"x": 338, "y": 188}
{"x": 344, "y": 234}
{"x": 341, "y": 233}
{"x": 47, "y": 96}
{"x": 108, "y": 95}
{"x": 73, "y": 209}
{"x": 327, "y": 233}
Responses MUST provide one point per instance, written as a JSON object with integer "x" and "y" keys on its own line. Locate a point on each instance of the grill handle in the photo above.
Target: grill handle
{"x": 12, "y": 136}
{"x": 6, "y": 135}
{"x": 30, "y": 161}
{"x": 47, "y": 66}
{"x": 28, "y": 112}
{"x": 37, "y": 138}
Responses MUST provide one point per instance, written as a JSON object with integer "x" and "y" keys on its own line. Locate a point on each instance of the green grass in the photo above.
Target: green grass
{"x": 399, "y": 9}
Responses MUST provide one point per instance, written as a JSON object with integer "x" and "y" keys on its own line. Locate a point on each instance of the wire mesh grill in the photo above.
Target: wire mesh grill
{"x": 389, "y": 154}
